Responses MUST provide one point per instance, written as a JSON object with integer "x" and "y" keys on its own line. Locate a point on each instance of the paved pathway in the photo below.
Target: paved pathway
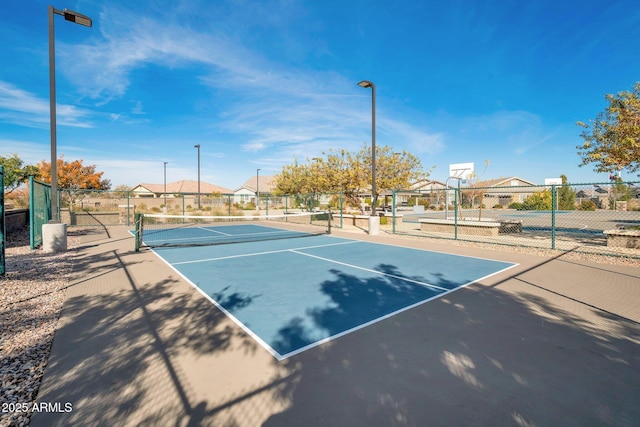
{"x": 550, "y": 342}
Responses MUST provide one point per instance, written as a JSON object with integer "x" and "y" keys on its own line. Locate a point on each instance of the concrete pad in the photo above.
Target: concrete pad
{"x": 549, "y": 342}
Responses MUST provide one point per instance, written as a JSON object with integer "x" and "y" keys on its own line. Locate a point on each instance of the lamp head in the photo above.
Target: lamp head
{"x": 76, "y": 17}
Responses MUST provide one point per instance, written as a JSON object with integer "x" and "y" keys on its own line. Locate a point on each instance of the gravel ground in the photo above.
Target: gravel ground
{"x": 31, "y": 297}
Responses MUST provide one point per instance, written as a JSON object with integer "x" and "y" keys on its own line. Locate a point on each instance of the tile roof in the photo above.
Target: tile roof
{"x": 186, "y": 186}
{"x": 266, "y": 184}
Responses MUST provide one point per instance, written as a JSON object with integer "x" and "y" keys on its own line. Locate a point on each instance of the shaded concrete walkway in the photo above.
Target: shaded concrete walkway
{"x": 550, "y": 342}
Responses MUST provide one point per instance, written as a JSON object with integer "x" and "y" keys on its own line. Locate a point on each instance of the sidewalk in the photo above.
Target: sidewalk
{"x": 549, "y": 342}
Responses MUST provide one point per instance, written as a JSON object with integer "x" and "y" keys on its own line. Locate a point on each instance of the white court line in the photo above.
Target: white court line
{"x": 372, "y": 271}
{"x": 264, "y": 253}
{"x": 281, "y": 357}
{"x": 213, "y": 231}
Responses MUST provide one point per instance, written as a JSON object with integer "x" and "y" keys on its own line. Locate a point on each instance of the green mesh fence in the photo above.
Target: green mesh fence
{"x": 578, "y": 217}
{"x": 39, "y": 210}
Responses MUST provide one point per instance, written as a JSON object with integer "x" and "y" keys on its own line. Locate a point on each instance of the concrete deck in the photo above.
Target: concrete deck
{"x": 549, "y": 342}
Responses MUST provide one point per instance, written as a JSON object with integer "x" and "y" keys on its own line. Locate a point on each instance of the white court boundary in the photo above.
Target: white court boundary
{"x": 281, "y": 357}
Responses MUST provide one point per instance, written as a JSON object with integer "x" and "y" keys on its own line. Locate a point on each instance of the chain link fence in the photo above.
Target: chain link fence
{"x": 39, "y": 210}
{"x": 599, "y": 218}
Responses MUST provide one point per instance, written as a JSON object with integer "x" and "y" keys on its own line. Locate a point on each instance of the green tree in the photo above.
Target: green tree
{"x": 16, "y": 172}
{"x": 566, "y": 195}
{"x": 612, "y": 140}
{"x": 122, "y": 190}
{"x": 538, "y": 201}
{"x": 350, "y": 173}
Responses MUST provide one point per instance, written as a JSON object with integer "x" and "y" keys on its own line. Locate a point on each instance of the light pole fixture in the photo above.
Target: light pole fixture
{"x": 198, "y": 147}
{"x": 258, "y": 189}
{"x": 165, "y": 186}
{"x": 367, "y": 84}
{"x": 80, "y": 19}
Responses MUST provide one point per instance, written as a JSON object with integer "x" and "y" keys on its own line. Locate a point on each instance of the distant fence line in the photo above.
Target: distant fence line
{"x": 599, "y": 218}
{"x": 565, "y": 217}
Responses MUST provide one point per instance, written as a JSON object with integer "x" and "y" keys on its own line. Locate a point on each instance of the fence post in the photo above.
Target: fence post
{"x": 128, "y": 207}
{"x": 455, "y": 212}
{"x": 341, "y": 211}
{"x": 3, "y": 229}
{"x": 32, "y": 218}
{"x": 393, "y": 211}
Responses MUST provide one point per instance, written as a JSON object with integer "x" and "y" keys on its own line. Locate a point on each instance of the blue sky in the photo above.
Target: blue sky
{"x": 260, "y": 83}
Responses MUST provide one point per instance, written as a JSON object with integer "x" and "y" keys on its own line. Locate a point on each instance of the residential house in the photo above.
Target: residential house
{"x": 174, "y": 189}
{"x": 499, "y": 191}
{"x": 247, "y": 192}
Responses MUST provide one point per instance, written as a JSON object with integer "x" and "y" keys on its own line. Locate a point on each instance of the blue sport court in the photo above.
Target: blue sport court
{"x": 296, "y": 293}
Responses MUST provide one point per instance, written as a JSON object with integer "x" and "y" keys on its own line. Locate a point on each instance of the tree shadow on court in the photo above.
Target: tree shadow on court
{"x": 355, "y": 301}
{"x": 120, "y": 337}
{"x": 501, "y": 355}
{"x": 508, "y": 354}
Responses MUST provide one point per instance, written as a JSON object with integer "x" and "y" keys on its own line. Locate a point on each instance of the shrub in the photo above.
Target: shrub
{"x": 538, "y": 201}
{"x": 497, "y": 206}
{"x": 516, "y": 205}
{"x": 587, "y": 205}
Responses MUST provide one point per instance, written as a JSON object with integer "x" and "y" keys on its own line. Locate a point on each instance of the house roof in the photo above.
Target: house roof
{"x": 266, "y": 184}
{"x": 428, "y": 184}
{"x": 503, "y": 182}
{"x": 184, "y": 186}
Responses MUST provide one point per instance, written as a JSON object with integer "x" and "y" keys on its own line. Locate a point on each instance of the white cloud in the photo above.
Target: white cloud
{"x": 26, "y": 109}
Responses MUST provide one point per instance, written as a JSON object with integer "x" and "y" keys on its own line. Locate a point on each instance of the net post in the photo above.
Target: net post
{"x": 138, "y": 230}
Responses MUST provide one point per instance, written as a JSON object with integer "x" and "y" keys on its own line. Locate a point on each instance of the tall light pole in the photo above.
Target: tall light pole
{"x": 366, "y": 84}
{"x": 198, "y": 147}
{"x": 258, "y": 189}
{"x": 165, "y": 186}
{"x": 80, "y": 19}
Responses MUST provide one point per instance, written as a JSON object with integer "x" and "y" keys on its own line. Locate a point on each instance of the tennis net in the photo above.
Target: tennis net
{"x": 160, "y": 230}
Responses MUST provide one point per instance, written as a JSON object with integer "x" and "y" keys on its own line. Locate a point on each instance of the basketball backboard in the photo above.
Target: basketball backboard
{"x": 462, "y": 171}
